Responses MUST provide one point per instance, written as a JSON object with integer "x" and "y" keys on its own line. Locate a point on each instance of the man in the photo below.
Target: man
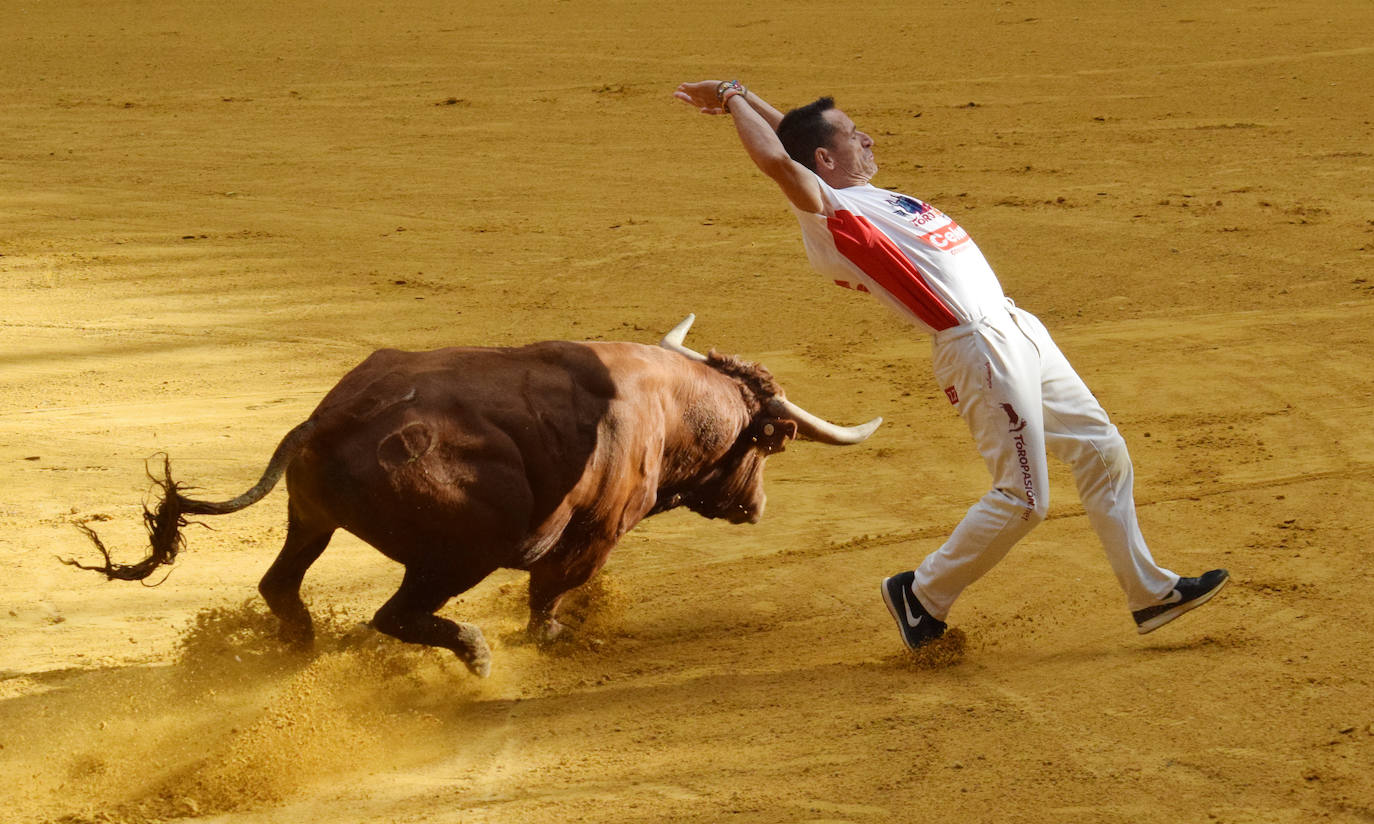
{"x": 997, "y": 364}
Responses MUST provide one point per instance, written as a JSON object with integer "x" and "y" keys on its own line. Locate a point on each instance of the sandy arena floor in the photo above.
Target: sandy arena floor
{"x": 210, "y": 211}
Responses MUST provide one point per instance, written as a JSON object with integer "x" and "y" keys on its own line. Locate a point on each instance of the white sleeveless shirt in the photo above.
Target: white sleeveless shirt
{"x": 911, "y": 255}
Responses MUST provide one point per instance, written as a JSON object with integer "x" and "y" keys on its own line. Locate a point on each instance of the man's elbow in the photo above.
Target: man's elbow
{"x": 778, "y": 165}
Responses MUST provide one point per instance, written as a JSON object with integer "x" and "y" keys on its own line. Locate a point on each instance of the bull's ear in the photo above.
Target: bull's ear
{"x": 772, "y": 434}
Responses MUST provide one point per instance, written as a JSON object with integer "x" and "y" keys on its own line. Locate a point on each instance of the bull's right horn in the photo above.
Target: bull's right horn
{"x": 673, "y": 340}
{"x": 820, "y": 430}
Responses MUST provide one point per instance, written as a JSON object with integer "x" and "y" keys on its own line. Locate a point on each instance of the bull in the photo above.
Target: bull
{"x": 460, "y": 461}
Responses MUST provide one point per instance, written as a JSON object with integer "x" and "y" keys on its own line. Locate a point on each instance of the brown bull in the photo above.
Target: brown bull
{"x": 458, "y": 462}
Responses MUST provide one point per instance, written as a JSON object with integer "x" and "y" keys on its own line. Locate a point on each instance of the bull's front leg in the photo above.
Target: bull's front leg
{"x": 551, "y": 579}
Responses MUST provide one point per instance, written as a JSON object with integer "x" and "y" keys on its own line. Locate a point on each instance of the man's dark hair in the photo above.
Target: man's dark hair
{"x": 805, "y": 129}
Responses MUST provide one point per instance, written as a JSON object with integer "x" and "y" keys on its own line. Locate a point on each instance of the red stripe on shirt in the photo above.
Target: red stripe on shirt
{"x": 879, "y": 258}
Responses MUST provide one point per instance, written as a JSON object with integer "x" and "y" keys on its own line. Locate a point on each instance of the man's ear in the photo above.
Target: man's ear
{"x": 823, "y": 158}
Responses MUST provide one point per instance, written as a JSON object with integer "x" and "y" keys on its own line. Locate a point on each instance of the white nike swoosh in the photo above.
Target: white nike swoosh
{"x": 911, "y": 619}
{"x": 1174, "y": 598}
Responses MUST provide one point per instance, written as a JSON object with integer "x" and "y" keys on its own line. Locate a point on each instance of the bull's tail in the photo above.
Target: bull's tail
{"x": 165, "y": 522}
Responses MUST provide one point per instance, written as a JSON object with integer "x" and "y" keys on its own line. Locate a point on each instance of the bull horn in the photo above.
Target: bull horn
{"x": 673, "y": 340}
{"x": 809, "y": 426}
{"x": 820, "y": 430}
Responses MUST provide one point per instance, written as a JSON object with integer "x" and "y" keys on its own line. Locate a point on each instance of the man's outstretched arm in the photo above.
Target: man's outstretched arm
{"x": 756, "y": 122}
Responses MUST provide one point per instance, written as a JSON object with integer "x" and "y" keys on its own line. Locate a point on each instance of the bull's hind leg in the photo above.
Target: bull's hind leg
{"x": 409, "y": 616}
{"x": 281, "y": 584}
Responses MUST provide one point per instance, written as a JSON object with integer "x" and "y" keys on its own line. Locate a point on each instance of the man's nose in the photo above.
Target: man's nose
{"x": 867, "y": 141}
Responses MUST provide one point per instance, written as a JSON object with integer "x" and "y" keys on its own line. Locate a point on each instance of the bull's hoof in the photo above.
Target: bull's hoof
{"x": 547, "y": 633}
{"x": 476, "y": 654}
{"x": 296, "y": 639}
{"x": 480, "y": 667}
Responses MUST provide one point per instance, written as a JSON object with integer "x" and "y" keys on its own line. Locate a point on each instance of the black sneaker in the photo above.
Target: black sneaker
{"x": 1188, "y": 593}
{"x": 917, "y": 626}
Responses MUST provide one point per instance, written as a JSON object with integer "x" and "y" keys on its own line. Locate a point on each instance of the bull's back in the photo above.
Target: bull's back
{"x": 482, "y": 442}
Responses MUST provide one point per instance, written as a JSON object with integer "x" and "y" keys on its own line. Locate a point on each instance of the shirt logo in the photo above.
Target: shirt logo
{"x": 903, "y": 205}
{"x": 949, "y": 238}
{"x": 952, "y": 394}
{"x": 941, "y": 232}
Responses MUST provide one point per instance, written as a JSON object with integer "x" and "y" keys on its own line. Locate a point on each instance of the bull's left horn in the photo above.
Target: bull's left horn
{"x": 817, "y": 429}
{"x": 673, "y": 340}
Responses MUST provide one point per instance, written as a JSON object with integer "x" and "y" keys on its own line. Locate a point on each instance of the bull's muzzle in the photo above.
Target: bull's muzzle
{"x": 745, "y": 515}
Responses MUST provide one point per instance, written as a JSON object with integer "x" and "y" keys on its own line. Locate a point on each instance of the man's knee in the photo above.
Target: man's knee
{"x": 1029, "y": 503}
{"x": 1113, "y": 453}
{"x": 1102, "y": 452}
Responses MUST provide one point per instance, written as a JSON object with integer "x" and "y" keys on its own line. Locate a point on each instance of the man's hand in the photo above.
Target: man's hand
{"x": 701, "y": 94}
{"x": 756, "y": 122}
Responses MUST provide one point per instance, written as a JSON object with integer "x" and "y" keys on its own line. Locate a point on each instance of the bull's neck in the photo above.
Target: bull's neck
{"x": 705, "y": 416}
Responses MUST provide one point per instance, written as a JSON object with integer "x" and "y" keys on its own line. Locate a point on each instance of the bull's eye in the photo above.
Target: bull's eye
{"x": 768, "y": 429}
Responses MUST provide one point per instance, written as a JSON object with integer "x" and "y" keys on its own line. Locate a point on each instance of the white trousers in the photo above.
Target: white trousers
{"x": 1019, "y": 396}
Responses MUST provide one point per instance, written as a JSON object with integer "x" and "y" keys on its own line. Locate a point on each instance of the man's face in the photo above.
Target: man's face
{"x": 850, "y": 150}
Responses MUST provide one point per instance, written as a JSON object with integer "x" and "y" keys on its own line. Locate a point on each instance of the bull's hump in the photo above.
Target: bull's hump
{"x": 627, "y": 362}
